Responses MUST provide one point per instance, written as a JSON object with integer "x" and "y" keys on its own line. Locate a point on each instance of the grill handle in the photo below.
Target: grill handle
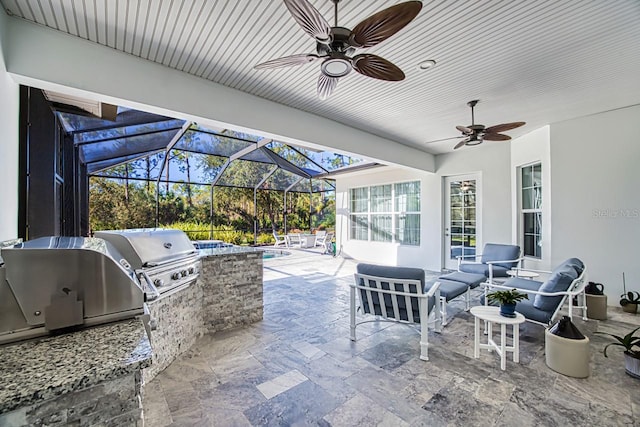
{"x": 154, "y": 293}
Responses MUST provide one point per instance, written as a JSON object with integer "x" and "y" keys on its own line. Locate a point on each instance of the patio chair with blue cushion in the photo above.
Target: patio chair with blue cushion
{"x": 396, "y": 294}
{"x": 494, "y": 261}
{"x": 566, "y": 282}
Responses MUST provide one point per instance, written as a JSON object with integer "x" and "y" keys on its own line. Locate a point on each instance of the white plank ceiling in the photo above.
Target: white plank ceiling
{"x": 539, "y": 61}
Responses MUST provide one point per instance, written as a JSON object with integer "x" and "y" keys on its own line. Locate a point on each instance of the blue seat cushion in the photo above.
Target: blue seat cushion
{"x": 392, "y": 273}
{"x": 498, "y": 252}
{"x": 473, "y": 280}
{"x": 560, "y": 280}
{"x": 474, "y": 268}
{"x": 449, "y": 289}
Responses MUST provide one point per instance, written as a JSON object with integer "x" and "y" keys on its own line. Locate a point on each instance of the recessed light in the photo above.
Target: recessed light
{"x": 425, "y": 65}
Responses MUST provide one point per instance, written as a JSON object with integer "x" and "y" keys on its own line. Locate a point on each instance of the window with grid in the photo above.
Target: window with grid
{"x": 386, "y": 213}
{"x": 531, "y": 210}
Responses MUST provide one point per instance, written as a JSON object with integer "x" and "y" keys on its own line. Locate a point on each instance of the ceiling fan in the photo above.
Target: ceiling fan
{"x": 475, "y": 134}
{"x": 336, "y": 45}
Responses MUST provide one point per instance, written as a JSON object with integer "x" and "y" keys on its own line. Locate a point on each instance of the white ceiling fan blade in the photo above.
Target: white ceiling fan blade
{"x": 311, "y": 21}
{"x": 326, "y": 86}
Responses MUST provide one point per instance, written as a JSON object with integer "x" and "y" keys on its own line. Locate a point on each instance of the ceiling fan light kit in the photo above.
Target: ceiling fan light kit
{"x": 336, "y": 45}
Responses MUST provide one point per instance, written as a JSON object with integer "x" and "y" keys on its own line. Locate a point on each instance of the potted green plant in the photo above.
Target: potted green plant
{"x": 631, "y": 356}
{"x": 507, "y": 300}
{"x": 629, "y": 300}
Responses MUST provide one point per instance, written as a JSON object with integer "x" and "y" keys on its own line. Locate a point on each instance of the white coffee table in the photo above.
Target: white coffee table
{"x": 522, "y": 273}
{"x": 492, "y": 315}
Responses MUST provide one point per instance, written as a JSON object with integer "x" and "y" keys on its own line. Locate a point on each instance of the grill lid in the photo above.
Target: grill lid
{"x": 150, "y": 247}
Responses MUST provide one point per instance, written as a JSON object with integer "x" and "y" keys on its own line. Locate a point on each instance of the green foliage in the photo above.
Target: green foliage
{"x": 195, "y": 230}
{"x": 228, "y": 234}
{"x": 510, "y": 296}
{"x": 627, "y": 342}
{"x": 264, "y": 239}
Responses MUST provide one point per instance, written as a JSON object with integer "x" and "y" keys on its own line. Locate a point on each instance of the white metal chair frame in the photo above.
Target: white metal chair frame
{"x": 394, "y": 315}
{"x": 279, "y": 240}
{"x": 443, "y": 305}
{"x": 294, "y": 240}
{"x": 321, "y": 237}
{"x": 575, "y": 289}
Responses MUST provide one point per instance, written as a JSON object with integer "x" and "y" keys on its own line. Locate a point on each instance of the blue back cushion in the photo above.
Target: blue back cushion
{"x": 576, "y": 264}
{"x": 497, "y": 252}
{"x": 560, "y": 280}
{"x": 391, "y": 273}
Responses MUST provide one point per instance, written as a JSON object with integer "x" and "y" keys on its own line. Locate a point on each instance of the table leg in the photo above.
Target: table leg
{"x": 489, "y": 326}
{"x": 503, "y": 341}
{"x": 476, "y": 339}
{"x": 516, "y": 343}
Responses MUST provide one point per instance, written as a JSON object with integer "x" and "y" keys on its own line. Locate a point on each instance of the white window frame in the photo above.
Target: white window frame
{"x": 395, "y": 214}
{"x": 536, "y": 211}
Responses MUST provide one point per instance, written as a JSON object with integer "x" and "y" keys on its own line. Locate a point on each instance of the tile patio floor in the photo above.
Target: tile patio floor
{"x": 298, "y": 367}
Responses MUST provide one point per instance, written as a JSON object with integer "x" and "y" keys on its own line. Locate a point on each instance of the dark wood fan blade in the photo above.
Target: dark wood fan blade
{"x": 376, "y": 67}
{"x": 495, "y": 137}
{"x": 465, "y": 130}
{"x": 461, "y": 143}
{"x": 382, "y": 25}
{"x": 287, "y": 61}
{"x": 310, "y": 20}
{"x": 326, "y": 86}
{"x": 504, "y": 127}
{"x": 443, "y": 139}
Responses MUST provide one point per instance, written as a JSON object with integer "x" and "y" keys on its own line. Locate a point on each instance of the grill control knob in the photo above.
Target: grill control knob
{"x": 184, "y": 273}
{"x": 158, "y": 283}
{"x": 175, "y": 276}
{"x": 192, "y": 270}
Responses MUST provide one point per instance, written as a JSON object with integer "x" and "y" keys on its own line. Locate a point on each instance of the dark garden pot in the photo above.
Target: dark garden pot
{"x": 630, "y": 308}
{"x": 508, "y": 310}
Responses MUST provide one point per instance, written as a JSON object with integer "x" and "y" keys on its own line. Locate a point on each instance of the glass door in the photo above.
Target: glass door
{"x": 461, "y": 217}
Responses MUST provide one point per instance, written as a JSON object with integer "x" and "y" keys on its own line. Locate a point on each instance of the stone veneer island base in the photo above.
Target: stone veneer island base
{"x": 227, "y": 294}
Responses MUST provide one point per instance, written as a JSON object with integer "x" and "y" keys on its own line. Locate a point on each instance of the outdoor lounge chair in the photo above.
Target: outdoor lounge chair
{"x": 294, "y": 240}
{"x": 495, "y": 260}
{"x": 396, "y": 294}
{"x": 565, "y": 282}
{"x": 321, "y": 238}
{"x": 279, "y": 240}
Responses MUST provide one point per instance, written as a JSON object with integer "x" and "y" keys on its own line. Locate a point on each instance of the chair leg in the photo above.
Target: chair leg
{"x": 467, "y": 299}
{"x": 352, "y": 314}
{"x": 443, "y": 310}
{"x": 438, "y": 313}
{"x": 424, "y": 329}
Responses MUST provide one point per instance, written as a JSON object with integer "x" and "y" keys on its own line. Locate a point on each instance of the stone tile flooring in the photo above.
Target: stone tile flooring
{"x": 298, "y": 367}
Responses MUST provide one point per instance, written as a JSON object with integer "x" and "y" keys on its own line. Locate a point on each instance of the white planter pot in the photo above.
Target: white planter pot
{"x": 632, "y": 365}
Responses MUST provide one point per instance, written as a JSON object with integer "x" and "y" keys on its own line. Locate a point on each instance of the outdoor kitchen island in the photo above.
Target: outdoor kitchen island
{"x": 91, "y": 376}
{"x": 227, "y": 294}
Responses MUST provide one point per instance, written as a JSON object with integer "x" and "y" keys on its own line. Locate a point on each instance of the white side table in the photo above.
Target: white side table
{"x": 523, "y": 273}
{"x": 492, "y": 315}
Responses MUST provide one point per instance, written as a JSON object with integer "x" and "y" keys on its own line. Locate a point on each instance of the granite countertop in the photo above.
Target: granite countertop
{"x": 231, "y": 250}
{"x": 40, "y": 369}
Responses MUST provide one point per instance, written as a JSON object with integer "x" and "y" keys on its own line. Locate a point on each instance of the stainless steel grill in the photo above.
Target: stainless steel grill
{"x": 53, "y": 283}
{"x": 165, "y": 261}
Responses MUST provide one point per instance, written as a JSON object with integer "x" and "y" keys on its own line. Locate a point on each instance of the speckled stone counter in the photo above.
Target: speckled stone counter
{"x": 59, "y": 380}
